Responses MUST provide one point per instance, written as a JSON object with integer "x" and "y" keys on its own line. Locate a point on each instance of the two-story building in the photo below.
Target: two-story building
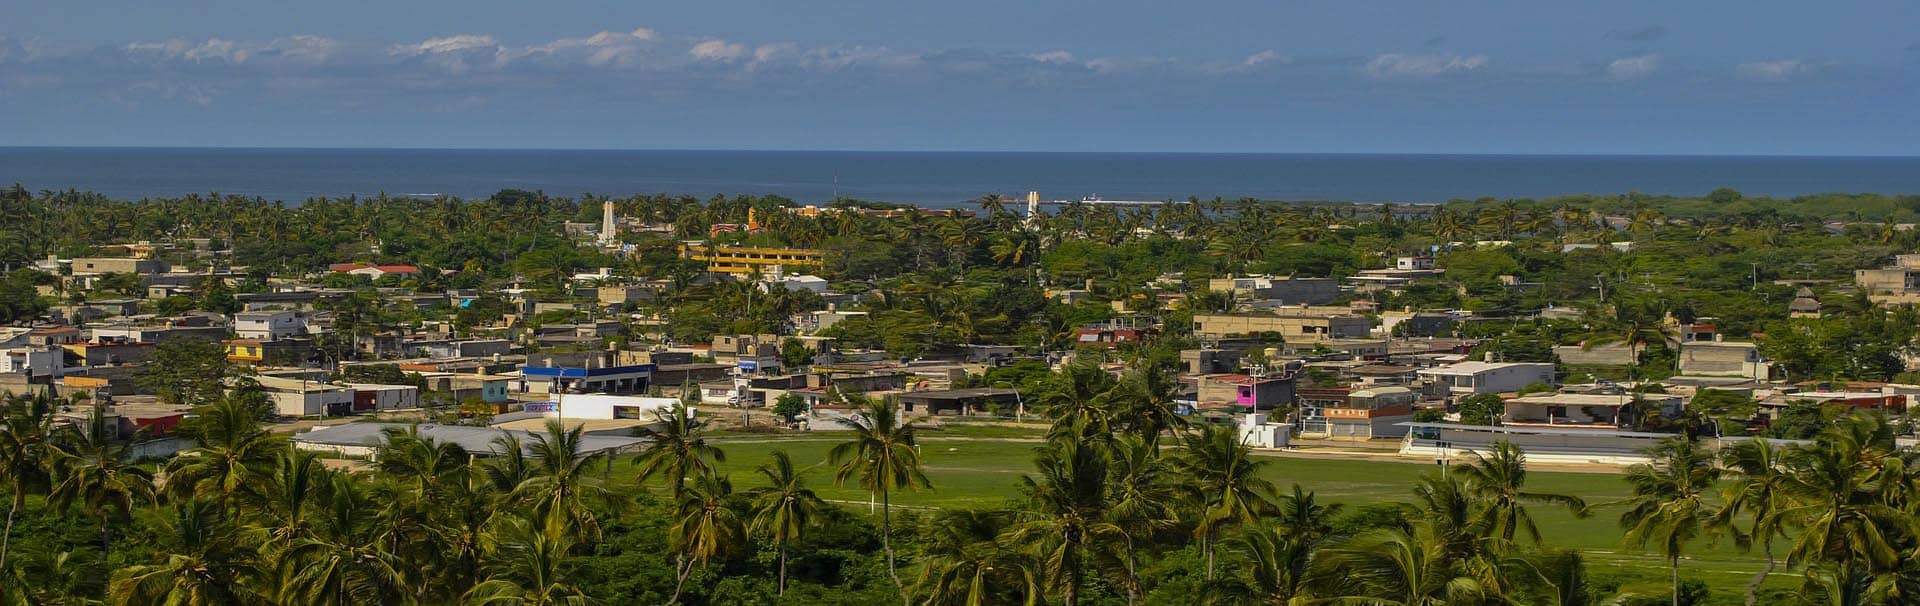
{"x": 268, "y": 325}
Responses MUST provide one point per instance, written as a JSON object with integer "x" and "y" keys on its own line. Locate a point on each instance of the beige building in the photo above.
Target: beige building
{"x": 1723, "y": 359}
{"x": 1901, "y": 278}
{"x": 118, "y": 265}
{"x": 1293, "y": 327}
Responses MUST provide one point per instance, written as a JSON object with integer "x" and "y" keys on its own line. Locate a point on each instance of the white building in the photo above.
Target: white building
{"x": 34, "y": 362}
{"x": 296, "y": 398}
{"x": 574, "y": 406}
{"x": 1468, "y": 378}
{"x": 370, "y": 397}
{"x": 268, "y": 325}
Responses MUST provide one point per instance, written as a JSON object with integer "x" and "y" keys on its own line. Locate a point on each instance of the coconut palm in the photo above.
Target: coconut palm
{"x": 421, "y": 464}
{"x": 704, "y": 527}
{"x": 25, "y": 422}
{"x": 1063, "y": 521}
{"x": 201, "y": 561}
{"x": 510, "y": 466}
{"x": 969, "y": 561}
{"x": 97, "y": 471}
{"x": 1842, "y": 490}
{"x": 66, "y": 578}
{"x": 1274, "y": 561}
{"x": 785, "y": 508}
{"x": 1225, "y": 482}
{"x": 1759, "y": 495}
{"x": 234, "y": 452}
{"x": 1079, "y": 395}
{"x": 1669, "y": 506}
{"x": 563, "y": 486}
{"x": 344, "y": 559}
{"x": 1398, "y": 567}
{"x": 1144, "y": 503}
{"x": 1497, "y": 479}
{"x": 676, "y": 450}
{"x": 524, "y": 568}
{"x": 289, "y": 501}
{"x": 884, "y": 457}
{"x": 1145, "y": 403}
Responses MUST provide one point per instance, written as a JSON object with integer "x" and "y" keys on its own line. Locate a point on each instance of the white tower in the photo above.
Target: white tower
{"x": 606, "y": 222}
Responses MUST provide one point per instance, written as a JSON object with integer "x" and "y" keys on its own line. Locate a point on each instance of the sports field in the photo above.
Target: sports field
{"x": 981, "y": 467}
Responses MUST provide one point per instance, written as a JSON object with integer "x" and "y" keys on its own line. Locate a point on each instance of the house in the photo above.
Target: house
{"x": 268, "y": 325}
{"x": 298, "y": 398}
{"x": 375, "y": 271}
{"x": 1585, "y": 409}
{"x": 1901, "y": 278}
{"x": 1605, "y": 354}
{"x": 1367, "y": 414}
{"x": 815, "y": 321}
{"x": 109, "y": 353}
{"x": 39, "y": 365}
{"x": 1293, "y": 327}
{"x": 1410, "y": 323}
{"x": 1210, "y": 361}
{"x": 1115, "y": 333}
{"x": 1414, "y": 263}
{"x": 272, "y": 353}
{"x": 575, "y": 406}
{"x": 959, "y": 401}
{"x": 1242, "y": 392}
{"x": 467, "y": 386}
{"x": 1723, "y": 359}
{"x": 369, "y": 397}
{"x": 118, "y": 265}
{"x": 1287, "y": 289}
{"x": 1472, "y": 377}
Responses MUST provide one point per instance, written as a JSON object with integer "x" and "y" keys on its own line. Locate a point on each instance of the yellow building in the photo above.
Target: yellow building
{"x": 746, "y": 259}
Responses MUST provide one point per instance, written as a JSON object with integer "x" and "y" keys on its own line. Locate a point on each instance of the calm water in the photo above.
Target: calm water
{"x": 931, "y": 178}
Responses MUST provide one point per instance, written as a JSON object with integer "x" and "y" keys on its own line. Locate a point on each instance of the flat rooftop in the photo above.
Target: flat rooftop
{"x": 477, "y": 440}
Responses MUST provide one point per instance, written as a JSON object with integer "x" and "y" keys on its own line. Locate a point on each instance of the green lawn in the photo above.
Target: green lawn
{"x": 978, "y": 466}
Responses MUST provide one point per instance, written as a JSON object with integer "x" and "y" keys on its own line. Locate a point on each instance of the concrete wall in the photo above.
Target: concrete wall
{"x": 599, "y": 406}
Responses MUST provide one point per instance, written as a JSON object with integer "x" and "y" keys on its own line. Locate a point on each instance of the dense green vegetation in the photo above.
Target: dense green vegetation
{"x": 1097, "y": 517}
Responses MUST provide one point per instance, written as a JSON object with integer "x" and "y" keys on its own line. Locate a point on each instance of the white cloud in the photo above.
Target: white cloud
{"x": 715, "y": 49}
{"x": 1265, "y": 57}
{"x": 1053, "y": 56}
{"x": 1396, "y": 65}
{"x": 452, "y": 44}
{"x": 1771, "y": 71}
{"x": 767, "y": 53}
{"x": 1633, "y": 68}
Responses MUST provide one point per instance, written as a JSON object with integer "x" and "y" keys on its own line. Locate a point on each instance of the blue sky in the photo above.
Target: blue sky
{"x": 1631, "y": 76}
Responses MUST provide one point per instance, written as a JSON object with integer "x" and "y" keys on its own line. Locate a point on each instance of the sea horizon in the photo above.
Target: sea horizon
{"x": 933, "y": 178}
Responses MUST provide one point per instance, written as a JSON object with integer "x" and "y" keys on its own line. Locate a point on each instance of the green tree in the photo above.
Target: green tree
{"x": 525, "y": 568}
{"x": 968, "y": 560}
{"x": 1759, "y": 495}
{"x": 1064, "y": 514}
{"x": 704, "y": 527}
{"x": 93, "y": 469}
{"x": 563, "y": 487}
{"x": 201, "y": 561}
{"x": 187, "y": 371}
{"x": 1497, "y": 479}
{"x": 677, "y": 450}
{"x": 1225, "y": 483}
{"x": 1669, "y": 507}
{"x": 25, "y": 422}
{"x": 884, "y": 456}
{"x": 785, "y": 509}
{"x": 1482, "y": 409}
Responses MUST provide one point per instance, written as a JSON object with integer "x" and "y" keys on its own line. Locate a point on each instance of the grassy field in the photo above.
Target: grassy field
{"x": 981, "y": 466}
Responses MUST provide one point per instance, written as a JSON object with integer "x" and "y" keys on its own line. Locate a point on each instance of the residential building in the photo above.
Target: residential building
{"x": 585, "y": 379}
{"x": 1472, "y": 377}
{"x": 1724, "y": 359}
{"x": 1292, "y": 327}
{"x": 1368, "y": 414}
{"x": 1584, "y": 409}
{"x": 574, "y": 406}
{"x": 1901, "y": 278}
{"x": 815, "y": 321}
{"x": 370, "y": 397}
{"x": 109, "y": 353}
{"x": 1242, "y": 392}
{"x": 268, "y": 325}
{"x": 298, "y": 398}
{"x": 118, "y": 265}
{"x": 39, "y": 364}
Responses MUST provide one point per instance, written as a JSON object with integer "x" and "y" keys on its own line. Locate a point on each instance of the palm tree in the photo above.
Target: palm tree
{"x": 885, "y": 457}
{"x": 233, "y": 453}
{"x": 525, "y": 568}
{"x": 1497, "y": 479}
{"x": 291, "y": 496}
{"x": 66, "y": 578}
{"x": 676, "y": 450}
{"x": 1146, "y": 402}
{"x": 1669, "y": 505}
{"x": 201, "y": 562}
{"x": 93, "y": 469}
{"x": 1064, "y": 518}
{"x": 564, "y": 485}
{"x": 1078, "y": 395}
{"x": 1398, "y": 567}
{"x": 1759, "y": 494}
{"x": 424, "y": 466}
{"x": 1144, "y": 493}
{"x": 1842, "y": 491}
{"x": 343, "y": 560}
{"x": 1275, "y": 566}
{"x": 968, "y": 561}
{"x": 1225, "y": 482}
{"x": 510, "y": 465}
{"x": 785, "y": 508}
{"x": 704, "y": 527}
{"x": 25, "y": 423}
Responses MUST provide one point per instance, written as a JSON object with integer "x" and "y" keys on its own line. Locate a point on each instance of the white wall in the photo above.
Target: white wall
{"x": 602, "y": 406}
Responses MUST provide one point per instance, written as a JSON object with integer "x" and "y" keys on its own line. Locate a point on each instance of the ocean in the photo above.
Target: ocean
{"x": 931, "y": 178}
